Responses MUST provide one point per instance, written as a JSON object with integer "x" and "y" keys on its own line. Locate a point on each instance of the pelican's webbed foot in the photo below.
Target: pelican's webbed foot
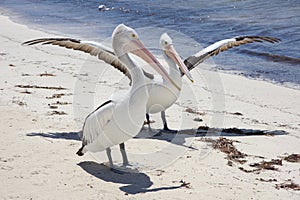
{"x": 167, "y": 130}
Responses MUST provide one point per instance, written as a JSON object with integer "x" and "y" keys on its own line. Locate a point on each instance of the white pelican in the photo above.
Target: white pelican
{"x": 166, "y": 99}
{"x": 118, "y": 120}
{"x": 163, "y": 96}
{"x": 160, "y": 101}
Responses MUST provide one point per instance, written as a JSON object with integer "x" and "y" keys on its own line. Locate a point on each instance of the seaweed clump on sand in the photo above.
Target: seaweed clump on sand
{"x": 268, "y": 165}
{"x": 288, "y": 185}
{"x": 292, "y": 158}
{"x": 226, "y": 146}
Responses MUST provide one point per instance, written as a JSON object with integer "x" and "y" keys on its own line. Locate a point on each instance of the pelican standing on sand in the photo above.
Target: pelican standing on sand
{"x": 155, "y": 103}
{"x": 162, "y": 96}
{"x": 118, "y": 120}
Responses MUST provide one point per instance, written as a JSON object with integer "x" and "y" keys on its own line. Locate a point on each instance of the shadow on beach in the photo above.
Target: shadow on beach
{"x": 176, "y": 137}
{"x": 204, "y": 131}
{"x": 135, "y": 181}
{"x": 57, "y": 135}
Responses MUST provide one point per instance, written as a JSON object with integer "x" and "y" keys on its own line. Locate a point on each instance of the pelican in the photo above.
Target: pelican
{"x": 163, "y": 91}
{"x": 118, "y": 120}
{"x": 160, "y": 101}
{"x": 163, "y": 96}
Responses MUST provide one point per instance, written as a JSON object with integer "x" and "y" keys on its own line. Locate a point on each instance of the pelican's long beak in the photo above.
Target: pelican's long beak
{"x": 172, "y": 53}
{"x": 137, "y": 47}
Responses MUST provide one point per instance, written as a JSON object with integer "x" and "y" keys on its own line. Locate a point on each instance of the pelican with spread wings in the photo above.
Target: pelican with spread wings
{"x": 161, "y": 94}
{"x": 118, "y": 119}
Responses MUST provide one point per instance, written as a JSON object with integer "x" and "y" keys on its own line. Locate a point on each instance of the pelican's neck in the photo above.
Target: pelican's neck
{"x": 138, "y": 81}
{"x": 174, "y": 71}
{"x": 136, "y": 73}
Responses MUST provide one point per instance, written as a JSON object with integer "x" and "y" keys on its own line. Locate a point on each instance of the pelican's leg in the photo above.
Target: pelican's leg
{"x": 111, "y": 165}
{"x": 163, "y": 117}
{"x": 108, "y": 152}
{"x": 123, "y": 152}
{"x": 166, "y": 128}
{"x": 148, "y": 121}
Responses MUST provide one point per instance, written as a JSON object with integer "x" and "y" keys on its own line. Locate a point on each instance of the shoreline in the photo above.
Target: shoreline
{"x": 290, "y": 85}
{"x": 40, "y": 125}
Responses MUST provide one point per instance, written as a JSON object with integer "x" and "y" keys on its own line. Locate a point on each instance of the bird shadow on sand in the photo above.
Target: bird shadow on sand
{"x": 175, "y": 137}
{"x": 179, "y": 137}
{"x": 134, "y": 181}
{"x": 57, "y": 135}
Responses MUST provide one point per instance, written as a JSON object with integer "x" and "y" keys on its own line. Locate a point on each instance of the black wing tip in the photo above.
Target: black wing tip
{"x": 49, "y": 40}
{"x": 258, "y": 38}
{"x": 27, "y": 42}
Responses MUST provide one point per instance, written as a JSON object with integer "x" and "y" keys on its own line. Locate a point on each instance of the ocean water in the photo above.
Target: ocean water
{"x": 203, "y": 21}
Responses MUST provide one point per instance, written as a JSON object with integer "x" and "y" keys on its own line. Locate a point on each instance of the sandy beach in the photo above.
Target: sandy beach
{"x": 46, "y": 92}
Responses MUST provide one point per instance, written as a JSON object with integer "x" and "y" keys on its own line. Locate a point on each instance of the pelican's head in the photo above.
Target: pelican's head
{"x": 123, "y": 35}
{"x": 166, "y": 44}
{"x": 165, "y": 41}
{"x": 125, "y": 40}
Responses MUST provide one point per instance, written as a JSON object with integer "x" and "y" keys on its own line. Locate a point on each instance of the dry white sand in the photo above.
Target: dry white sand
{"x": 38, "y": 145}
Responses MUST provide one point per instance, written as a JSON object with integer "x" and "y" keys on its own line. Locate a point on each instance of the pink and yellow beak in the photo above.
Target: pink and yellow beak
{"x": 137, "y": 47}
{"x": 172, "y": 53}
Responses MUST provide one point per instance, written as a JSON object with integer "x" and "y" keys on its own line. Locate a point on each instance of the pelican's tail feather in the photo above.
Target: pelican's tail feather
{"x": 80, "y": 152}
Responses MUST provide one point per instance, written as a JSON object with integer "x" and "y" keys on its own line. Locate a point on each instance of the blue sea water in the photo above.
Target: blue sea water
{"x": 204, "y": 21}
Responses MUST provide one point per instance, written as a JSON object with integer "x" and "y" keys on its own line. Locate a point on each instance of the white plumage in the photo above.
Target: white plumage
{"x": 118, "y": 119}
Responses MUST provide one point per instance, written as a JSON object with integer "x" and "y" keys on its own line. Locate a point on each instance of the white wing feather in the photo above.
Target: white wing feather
{"x": 95, "y": 123}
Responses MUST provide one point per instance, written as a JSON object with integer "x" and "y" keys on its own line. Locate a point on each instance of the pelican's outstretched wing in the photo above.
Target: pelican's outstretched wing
{"x": 223, "y": 45}
{"x": 98, "y": 45}
{"x": 102, "y": 53}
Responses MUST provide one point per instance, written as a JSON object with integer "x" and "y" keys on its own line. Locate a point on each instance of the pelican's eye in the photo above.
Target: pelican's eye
{"x": 133, "y": 35}
{"x": 166, "y": 42}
